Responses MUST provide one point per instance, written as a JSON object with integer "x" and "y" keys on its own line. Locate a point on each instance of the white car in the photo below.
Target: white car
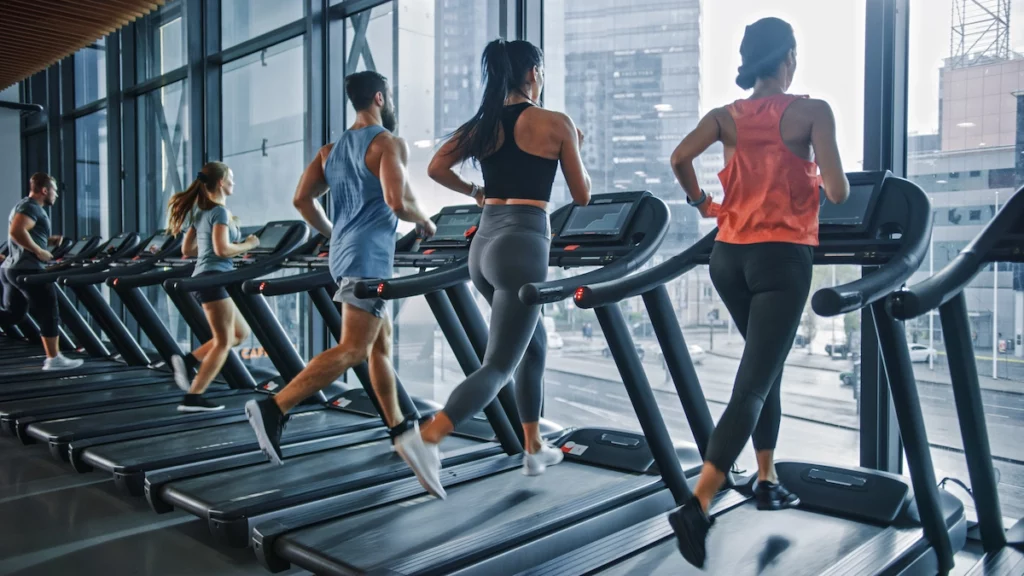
{"x": 696, "y": 353}
{"x": 555, "y": 341}
{"x": 921, "y": 353}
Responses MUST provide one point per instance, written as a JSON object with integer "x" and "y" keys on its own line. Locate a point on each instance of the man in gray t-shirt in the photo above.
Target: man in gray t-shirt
{"x": 28, "y": 236}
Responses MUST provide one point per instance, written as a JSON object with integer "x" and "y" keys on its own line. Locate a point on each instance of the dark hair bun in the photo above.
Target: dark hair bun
{"x": 766, "y": 44}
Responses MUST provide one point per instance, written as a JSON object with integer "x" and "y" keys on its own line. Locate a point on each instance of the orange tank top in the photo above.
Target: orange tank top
{"x": 771, "y": 194}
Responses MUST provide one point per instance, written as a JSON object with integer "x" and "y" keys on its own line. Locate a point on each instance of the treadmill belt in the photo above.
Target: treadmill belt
{"x": 155, "y": 452}
{"x": 257, "y": 489}
{"x": 34, "y": 369}
{"x": 746, "y": 541}
{"x": 381, "y": 539}
{"x": 100, "y": 398}
{"x": 93, "y": 425}
{"x": 55, "y": 384}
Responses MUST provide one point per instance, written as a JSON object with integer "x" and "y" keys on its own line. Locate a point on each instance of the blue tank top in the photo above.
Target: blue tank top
{"x": 363, "y": 241}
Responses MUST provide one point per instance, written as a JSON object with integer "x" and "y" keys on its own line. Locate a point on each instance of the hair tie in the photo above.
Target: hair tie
{"x": 202, "y": 177}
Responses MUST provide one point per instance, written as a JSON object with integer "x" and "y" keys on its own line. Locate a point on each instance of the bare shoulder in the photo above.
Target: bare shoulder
{"x": 324, "y": 152}
{"x": 559, "y": 122}
{"x": 815, "y": 108}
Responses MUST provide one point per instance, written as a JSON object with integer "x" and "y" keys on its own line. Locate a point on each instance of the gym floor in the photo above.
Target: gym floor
{"x": 55, "y": 521}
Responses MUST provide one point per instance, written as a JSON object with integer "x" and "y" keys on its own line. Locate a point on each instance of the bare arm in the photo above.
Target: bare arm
{"x": 189, "y": 247}
{"x": 694, "y": 144}
{"x": 224, "y": 247}
{"x": 575, "y": 173}
{"x": 19, "y": 232}
{"x": 395, "y": 182}
{"x": 826, "y": 152}
{"x": 441, "y": 171}
{"x": 311, "y": 187}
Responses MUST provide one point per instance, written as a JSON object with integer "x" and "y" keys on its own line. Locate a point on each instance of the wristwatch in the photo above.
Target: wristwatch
{"x": 476, "y": 192}
{"x": 703, "y": 198}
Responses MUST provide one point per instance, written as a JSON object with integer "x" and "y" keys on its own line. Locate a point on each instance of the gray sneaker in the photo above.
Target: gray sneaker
{"x": 61, "y": 362}
{"x": 180, "y": 373}
{"x": 423, "y": 458}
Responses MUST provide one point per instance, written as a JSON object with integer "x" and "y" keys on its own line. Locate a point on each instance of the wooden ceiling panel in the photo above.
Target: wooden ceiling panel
{"x": 37, "y": 33}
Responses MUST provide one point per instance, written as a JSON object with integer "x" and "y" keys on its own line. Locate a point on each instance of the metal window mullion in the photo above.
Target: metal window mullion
{"x": 114, "y": 173}
{"x": 317, "y": 58}
{"x": 66, "y": 144}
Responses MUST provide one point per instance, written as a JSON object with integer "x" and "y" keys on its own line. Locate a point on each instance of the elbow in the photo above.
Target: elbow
{"x": 221, "y": 252}
{"x": 838, "y": 193}
{"x": 436, "y": 171}
{"x": 582, "y": 197}
{"x": 680, "y": 159}
{"x": 397, "y": 205}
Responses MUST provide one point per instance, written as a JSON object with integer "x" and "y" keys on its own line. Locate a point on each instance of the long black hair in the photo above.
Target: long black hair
{"x": 766, "y": 45}
{"x": 505, "y": 66}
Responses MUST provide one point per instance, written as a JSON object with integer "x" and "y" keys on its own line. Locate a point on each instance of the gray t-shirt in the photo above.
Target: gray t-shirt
{"x": 203, "y": 221}
{"x": 19, "y": 258}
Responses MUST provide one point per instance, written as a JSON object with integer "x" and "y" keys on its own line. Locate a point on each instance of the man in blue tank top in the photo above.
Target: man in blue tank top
{"x": 365, "y": 174}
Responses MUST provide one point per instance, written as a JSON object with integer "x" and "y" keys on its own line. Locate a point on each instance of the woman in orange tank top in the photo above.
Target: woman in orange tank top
{"x": 775, "y": 143}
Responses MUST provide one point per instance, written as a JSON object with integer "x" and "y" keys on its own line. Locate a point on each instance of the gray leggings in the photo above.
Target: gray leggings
{"x": 509, "y": 250}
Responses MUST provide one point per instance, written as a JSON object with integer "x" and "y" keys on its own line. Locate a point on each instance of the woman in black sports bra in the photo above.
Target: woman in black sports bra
{"x": 519, "y": 146}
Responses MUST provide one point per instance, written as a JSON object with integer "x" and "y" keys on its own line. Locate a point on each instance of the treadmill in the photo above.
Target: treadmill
{"x": 491, "y": 506}
{"x": 850, "y": 520}
{"x": 277, "y": 240}
{"x": 31, "y": 356}
{"x": 322, "y": 422}
{"x": 235, "y": 494}
{"x": 1002, "y": 240}
{"x": 69, "y": 397}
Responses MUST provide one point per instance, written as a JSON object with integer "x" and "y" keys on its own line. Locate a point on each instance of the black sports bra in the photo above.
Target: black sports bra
{"x": 511, "y": 173}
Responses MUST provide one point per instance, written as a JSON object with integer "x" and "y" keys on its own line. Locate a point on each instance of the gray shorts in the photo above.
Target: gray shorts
{"x": 346, "y": 295}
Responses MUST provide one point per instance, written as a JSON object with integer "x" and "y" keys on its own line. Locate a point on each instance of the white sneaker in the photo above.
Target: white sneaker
{"x": 423, "y": 458}
{"x": 62, "y": 362}
{"x": 180, "y": 373}
{"x": 536, "y": 464}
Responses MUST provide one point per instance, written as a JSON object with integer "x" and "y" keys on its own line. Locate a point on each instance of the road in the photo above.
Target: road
{"x": 820, "y": 416}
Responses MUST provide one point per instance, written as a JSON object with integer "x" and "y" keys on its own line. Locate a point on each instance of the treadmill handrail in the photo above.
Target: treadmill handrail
{"x": 889, "y": 277}
{"x": 596, "y": 295}
{"x": 428, "y": 282}
{"x": 130, "y": 242}
{"x": 555, "y": 290}
{"x": 243, "y": 273}
{"x": 288, "y": 285}
{"x": 954, "y": 277}
{"x": 151, "y": 278}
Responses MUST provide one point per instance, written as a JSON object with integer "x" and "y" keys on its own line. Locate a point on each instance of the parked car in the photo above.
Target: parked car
{"x": 607, "y": 352}
{"x": 852, "y": 380}
{"x": 696, "y": 353}
{"x": 555, "y": 341}
{"x": 921, "y": 353}
{"x": 841, "y": 350}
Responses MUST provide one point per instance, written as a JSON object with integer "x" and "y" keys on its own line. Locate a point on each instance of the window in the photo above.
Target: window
{"x": 241, "y": 20}
{"x": 636, "y": 77}
{"x": 91, "y": 175}
{"x": 91, "y": 73}
{"x": 364, "y": 41}
{"x": 36, "y": 154}
{"x": 964, "y": 93}
{"x": 161, "y": 42}
{"x": 264, "y": 142}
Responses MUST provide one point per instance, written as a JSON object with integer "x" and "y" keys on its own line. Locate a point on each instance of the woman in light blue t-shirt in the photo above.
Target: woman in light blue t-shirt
{"x": 213, "y": 239}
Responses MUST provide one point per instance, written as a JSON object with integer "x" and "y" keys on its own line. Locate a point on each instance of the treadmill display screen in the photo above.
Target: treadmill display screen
{"x": 454, "y": 226}
{"x": 155, "y": 244}
{"x": 77, "y": 248}
{"x": 271, "y": 237}
{"x": 114, "y": 244}
{"x": 853, "y": 212}
{"x": 597, "y": 219}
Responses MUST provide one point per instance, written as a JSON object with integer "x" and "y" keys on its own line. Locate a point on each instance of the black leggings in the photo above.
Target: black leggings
{"x": 19, "y": 300}
{"x": 765, "y": 288}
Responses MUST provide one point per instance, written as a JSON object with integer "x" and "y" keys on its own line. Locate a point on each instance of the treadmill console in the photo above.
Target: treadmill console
{"x": 455, "y": 228}
{"x": 314, "y": 256}
{"x": 854, "y": 215}
{"x": 600, "y": 232}
{"x": 78, "y": 247}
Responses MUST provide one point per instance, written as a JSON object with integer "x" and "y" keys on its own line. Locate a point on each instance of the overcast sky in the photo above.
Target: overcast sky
{"x": 830, "y": 56}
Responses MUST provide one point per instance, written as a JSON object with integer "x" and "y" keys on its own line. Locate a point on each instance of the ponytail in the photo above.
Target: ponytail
{"x": 504, "y": 66}
{"x": 181, "y": 205}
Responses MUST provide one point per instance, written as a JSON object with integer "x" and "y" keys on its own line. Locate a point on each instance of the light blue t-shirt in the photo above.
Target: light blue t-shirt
{"x": 203, "y": 221}
{"x": 363, "y": 241}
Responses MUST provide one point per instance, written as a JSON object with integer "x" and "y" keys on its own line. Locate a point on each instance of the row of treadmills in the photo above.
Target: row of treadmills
{"x": 344, "y": 503}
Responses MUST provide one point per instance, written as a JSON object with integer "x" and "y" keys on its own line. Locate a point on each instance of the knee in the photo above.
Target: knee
{"x": 351, "y": 353}
{"x": 240, "y": 335}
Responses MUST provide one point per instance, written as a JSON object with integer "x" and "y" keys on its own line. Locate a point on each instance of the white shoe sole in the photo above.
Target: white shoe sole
{"x": 436, "y": 491}
{"x": 529, "y": 471}
{"x": 198, "y": 409}
{"x": 60, "y": 368}
{"x": 252, "y": 413}
{"x": 180, "y": 374}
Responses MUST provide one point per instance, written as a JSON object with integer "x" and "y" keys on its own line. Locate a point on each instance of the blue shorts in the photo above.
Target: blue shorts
{"x": 211, "y": 294}
{"x": 346, "y": 295}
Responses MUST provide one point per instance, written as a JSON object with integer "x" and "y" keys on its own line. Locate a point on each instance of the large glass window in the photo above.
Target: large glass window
{"x": 92, "y": 195}
{"x": 636, "y": 76}
{"x": 241, "y": 20}
{"x": 264, "y": 142}
{"x": 964, "y": 142}
{"x": 161, "y": 42}
{"x": 91, "y": 73}
{"x": 368, "y": 39}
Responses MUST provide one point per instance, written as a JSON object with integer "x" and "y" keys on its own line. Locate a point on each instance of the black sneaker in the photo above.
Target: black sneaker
{"x": 197, "y": 403}
{"x": 691, "y": 526}
{"x": 268, "y": 423}
{"x": 774, "y": 496}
